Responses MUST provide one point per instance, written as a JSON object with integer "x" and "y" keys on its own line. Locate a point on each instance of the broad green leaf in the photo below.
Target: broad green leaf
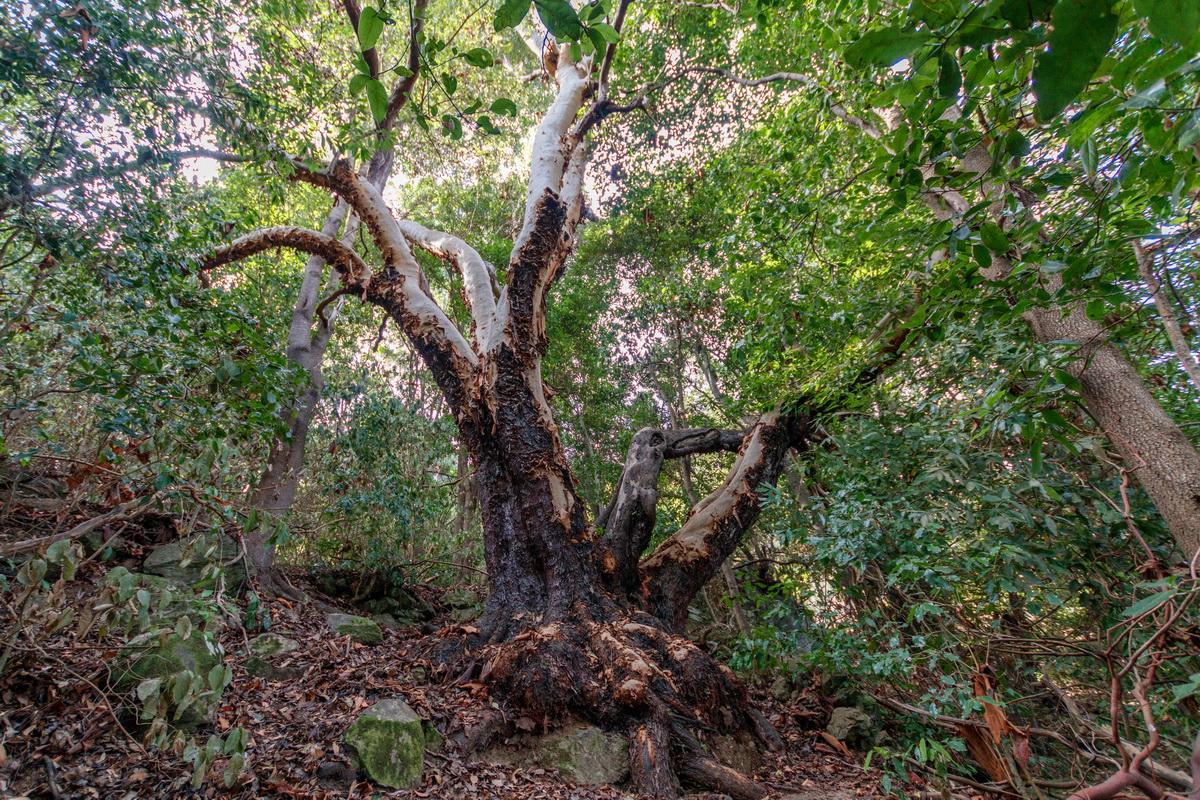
{"x": 1082, "y": 33}
{"x": 560, "y": 19}
{"x": 1023, "y": 13}
{"x": 478, "y": 57}
{"x": 357, "y": 84}
{"x": 511, "y": 14}
{"x": 504, "y": 106}
{"x": 1150, "y": 603}
{"x": 607, "y": 31}
{"x": 451, "y": 126}
{"x": 1171, "y": 20}
{"x": 370, "y": 27}
{"x": 993, "y": 237}
{"x": 884, "y": 47}
{"x": 377, "y": 96}
{"x": 949, "y": 75}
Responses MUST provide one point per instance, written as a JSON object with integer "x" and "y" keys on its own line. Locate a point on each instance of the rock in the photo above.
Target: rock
{"x": 388, "y": 742}
{"x": 463, "y": 597}
{"x": 360, "y": 629}
{"x": 393, "y": 623}
{"x": 851, "y": 725}
{"x": 272, "y": 645}
{"x": 259, "y": 667}
{"x": 464, "y": 614}
{"x": 183, "y": 562}
{"x": 781, "y": 689}
{"x": 583, "y": 754}
{"x": 434, "y": 741}
{"x": 738, "y": 752}
{"x": 196, "y": 653}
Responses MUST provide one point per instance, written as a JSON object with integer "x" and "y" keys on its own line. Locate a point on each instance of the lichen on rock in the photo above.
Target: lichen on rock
{"x": 388, "y": 742}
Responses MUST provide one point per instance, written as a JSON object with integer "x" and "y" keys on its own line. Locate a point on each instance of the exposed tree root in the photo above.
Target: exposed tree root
{"x": 627, "y": 674}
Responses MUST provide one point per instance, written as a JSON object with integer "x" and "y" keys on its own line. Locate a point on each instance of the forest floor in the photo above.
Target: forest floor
{"x": 64, "y": 736}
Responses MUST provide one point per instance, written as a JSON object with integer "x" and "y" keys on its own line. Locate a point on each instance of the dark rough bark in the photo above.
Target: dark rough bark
{"x": 673, "y": 574}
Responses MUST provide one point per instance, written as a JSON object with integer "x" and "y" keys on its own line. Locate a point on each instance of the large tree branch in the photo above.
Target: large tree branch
{"x": 477, "y": 284}
{"x": 680, "y": 566}
{"x": 628, "y": 520}
{"x": 317, "y": 243}
{"x": 1166, "y": 312}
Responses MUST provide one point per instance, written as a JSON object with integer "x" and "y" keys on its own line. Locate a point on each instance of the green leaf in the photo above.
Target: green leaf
{"x": 451, "y": 126}
{"x": 1171, "y": 20}
{"x": 377, "y": 96}
{"x": 884, "y": 47}
{"x": 983, "y": 256}
{"x": 358, "y": 83}
{"x": 949, "y": 75}
{"x": 511, "y": 14}
{"x": 1081, "y": 35}
{"x": 560, "y": 19}
{"x": 993, "y": 237}
{"x": 451, "y": 83}
{"x": 370, "y": 27}
{"x": 504, "y": 106}
{"x": 1096, "y": 308}
{"x": 1147, "y": 604}
{"x": 607, "y": 31}
{"x": 478, "y": 57}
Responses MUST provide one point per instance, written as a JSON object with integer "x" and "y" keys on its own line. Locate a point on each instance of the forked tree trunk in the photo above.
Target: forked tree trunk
{"x": 577, "y": 621}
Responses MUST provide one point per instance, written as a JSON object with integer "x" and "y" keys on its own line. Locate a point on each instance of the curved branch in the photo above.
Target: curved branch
{"x": 353, "y": 268}
{"x": 680, "y": 566}
{"x": 629, "y": 518}
{"x": 476, "y": 280}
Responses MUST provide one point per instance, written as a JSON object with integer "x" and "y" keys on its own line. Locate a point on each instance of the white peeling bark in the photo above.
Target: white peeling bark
{"x": 477, "y": 282}
{"x": 551, "y": 148}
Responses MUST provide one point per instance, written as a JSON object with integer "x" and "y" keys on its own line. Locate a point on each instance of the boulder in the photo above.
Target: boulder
{"x": 183, "y": 562}
{"x": 583, "y": 754}
{"x": 739, "y": 752}
{"x": 388, "y": 742}
{"x": 167, "y": 658}
{"x": 781, "y": 689}
{"x": 360, "y": 629}
{"x": 851, "y": 725}
{"x": 272, "y": 645}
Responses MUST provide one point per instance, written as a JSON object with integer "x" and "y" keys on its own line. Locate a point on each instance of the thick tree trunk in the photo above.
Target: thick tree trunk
{"x": 1152, "y": 446}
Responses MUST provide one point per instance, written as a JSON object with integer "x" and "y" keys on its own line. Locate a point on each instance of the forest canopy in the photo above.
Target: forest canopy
{"x": 635, "y": 364}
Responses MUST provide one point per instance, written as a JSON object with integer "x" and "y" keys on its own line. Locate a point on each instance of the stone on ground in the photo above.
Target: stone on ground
{"x": 360, "y": 629}
{"x": 388, "y": 742}
{"x": 183, "y": 562}
{"x": 196, "y": 653}
{"x": 583, "y": 754}
{"x": 272, "y": 645}
{"x": 851, "y": 725}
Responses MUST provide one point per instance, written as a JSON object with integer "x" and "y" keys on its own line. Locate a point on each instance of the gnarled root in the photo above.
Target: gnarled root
{"x": 629, "y": 674}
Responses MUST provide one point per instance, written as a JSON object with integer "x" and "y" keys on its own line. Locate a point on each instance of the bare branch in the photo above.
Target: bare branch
{"x": 680, "y": 566}
{"x": 476, "y": 280}
{"x": 305, "y": 240}
{"x": 403, "y": 89}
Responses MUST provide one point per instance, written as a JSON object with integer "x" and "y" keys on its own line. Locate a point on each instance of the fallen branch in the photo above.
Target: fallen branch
{"x": 122, "y": 512}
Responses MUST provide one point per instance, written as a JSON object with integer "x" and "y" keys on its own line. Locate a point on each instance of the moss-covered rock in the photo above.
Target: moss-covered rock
{"x": 360, "y": 629}
{"x": 853, "y": 726}
{"x": 388, "y": 742}
{"x": 583, "y": 754}
{"x": 272, "y": 645}
{"x": 183, "y": 562}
